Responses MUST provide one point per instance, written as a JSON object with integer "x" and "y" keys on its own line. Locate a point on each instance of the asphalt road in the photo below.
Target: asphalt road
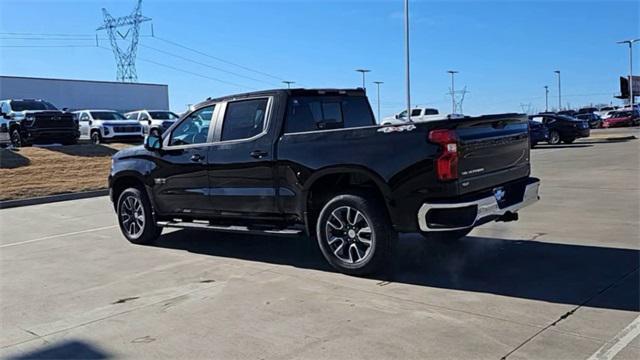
{"x": 562, "y": 283}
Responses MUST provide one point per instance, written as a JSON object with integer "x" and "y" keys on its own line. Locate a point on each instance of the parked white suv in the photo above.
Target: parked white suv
{"x": 107, "y": 125}
{"x": 153, "y": 121}
{"x": 418, "y": 115}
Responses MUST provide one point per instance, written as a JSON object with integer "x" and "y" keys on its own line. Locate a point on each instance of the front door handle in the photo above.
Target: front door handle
{"x": 196, "y": 157}
{"x": 258, "y": 154}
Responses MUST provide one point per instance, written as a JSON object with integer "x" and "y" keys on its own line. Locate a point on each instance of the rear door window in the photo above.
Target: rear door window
{"x": 310, "y": 113}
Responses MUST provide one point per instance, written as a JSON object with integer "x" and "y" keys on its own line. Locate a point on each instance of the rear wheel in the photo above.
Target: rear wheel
{"x": 354, "y": 233}
{"x": 554, "y": 137}
{"x": 135, "y": 217}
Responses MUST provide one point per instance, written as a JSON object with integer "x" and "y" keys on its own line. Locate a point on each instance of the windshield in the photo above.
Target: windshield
{"x": 163, "y": 115}
{"x": 24, "y": 105}
{"x": 107, "y": 115}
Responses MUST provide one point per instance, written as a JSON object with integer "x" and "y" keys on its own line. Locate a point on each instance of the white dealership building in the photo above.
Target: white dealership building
{"x": 86, "y": 94}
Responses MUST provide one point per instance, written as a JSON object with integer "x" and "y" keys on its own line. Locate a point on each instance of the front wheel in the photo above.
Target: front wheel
{"x": 554, "y": 138}
{"x": 135, "y": 217}
{"x": 354, "y": 233}
{"x": 16, "y": 139}
{"x": 96, "y": 138}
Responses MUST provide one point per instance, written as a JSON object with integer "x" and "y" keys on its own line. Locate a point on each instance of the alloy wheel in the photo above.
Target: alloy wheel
{"x": 349, "y": 236}
{"x": 132, "y": 216}
{"x": 16, "y": 140}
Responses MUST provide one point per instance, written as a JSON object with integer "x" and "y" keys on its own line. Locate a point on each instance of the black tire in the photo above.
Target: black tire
{"x": 446, "y": 236}
{"x": 16, "y": 139}
{"x": 370, "y": 223}
{"x": 135, "y": 217}
{"x": 554, "y": 137}
{"x": 568, "y": 140}
{"x": 96, "y": 139}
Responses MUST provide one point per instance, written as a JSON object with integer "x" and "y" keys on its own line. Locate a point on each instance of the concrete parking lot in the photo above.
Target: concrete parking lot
{"x": 562, "y": 283}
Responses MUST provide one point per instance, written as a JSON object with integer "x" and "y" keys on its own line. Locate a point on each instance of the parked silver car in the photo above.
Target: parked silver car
{"x": 107, "y": 125}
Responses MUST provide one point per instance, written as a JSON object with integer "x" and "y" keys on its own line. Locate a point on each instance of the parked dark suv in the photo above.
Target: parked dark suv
{"x": 594, "y": 120}
{"x": 26, "y": 121}
{"x": 563, "y": 128}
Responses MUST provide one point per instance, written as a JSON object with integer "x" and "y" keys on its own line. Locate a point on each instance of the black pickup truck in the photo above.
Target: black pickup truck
{"x": 26, "y": 121}
{"x": 280, "y": 160}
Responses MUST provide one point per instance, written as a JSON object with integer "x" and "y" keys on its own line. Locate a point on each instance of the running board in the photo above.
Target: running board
{"x": 233, "y": 229}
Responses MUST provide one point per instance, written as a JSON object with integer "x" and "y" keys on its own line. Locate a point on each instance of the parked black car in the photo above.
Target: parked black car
{"x": 275, "y": 160}
{"x": 27, "y": 121}
{"x": 563, "y": 128}
{"x": 594, "y": 120}
{"x": 538, "y": 132}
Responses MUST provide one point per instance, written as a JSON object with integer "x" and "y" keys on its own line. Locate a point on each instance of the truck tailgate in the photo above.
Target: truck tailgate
{"x": 492, "y": 150}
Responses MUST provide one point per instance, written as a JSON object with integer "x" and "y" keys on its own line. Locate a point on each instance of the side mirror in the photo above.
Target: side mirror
{"x": 153, "y": 142}
{"x": 396, "y": 116}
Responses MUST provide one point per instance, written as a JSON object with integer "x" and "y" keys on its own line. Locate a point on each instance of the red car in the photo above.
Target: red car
{"x": 621, "y": 118}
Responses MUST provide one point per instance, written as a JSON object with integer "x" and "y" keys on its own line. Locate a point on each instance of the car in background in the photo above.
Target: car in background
{"x": 587, "y": 110}
{"x": 107, "y": 125}
{"x": 622, "y": 118}
{"x": 418, "y": 114}
{"x": 604, "y": 111}
{"x": 27, "y": 121}
{"x": 538, "y": 132}
{"x": 571, "y": 113}
{"x": 563, "y": 128}
{"x": 153, "y": 121}
{"x": 594, "y": 120}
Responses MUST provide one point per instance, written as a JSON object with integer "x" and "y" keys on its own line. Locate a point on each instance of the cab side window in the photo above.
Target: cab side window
{"x": 244, "y": 119}
{"x": 144, "y": 116}
{"x": 84, "y": 117}
{"x": 194, "y": 129}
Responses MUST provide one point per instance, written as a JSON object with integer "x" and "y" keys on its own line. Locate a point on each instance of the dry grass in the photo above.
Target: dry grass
{"x": 34, "y": 171}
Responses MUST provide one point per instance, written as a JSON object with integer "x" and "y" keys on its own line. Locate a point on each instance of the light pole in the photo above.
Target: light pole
{"x": 378, "y": 85}
{"x": 407, "y": 58}
{"x": 453, "y": 91}
{"x": 363, "y": 71}
{"x": 546, "y": 98}
{"x": 288, "y": 83}
{"x": 630, "y": 43}
{"x": 559, "y": 91}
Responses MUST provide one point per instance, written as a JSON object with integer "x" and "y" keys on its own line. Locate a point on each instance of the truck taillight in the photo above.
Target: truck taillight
{"x": 447, "y": 163}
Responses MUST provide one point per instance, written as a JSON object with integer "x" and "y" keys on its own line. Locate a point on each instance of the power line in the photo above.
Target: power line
{"x": 48, "y": 46}
{"x": 218, "y": 59}
{"x": 205, "y": 65}
{"x": 43, "y": 34}
{"x": 187, "y": 71}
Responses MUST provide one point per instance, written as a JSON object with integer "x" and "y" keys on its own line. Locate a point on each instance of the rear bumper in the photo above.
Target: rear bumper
{"x": 448, "y": 216}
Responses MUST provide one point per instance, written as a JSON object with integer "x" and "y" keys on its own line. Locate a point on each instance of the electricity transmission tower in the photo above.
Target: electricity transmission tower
{"x": 125, "y": 57}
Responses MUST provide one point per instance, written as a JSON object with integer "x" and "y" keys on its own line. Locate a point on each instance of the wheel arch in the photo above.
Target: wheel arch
{"x": 326, "y": 182}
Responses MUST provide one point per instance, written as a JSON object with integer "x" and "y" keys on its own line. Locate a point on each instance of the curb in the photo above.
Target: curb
{"x": 609, "y": 138}
{"x": 52, "y": 198}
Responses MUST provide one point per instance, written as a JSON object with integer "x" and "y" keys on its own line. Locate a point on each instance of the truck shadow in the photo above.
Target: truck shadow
{"x": 10, "y": 159}
{"x": 528, "y": 269}
{"x": 84, "y": 150}
{"x": 69, "y": 349}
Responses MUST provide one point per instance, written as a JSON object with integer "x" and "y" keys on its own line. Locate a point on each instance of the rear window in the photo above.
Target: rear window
{"x": 309, "y": 113}
{"x": 24, "y": 105}
{"x": 163, "y": 115}
{"x": 107, "y": 115}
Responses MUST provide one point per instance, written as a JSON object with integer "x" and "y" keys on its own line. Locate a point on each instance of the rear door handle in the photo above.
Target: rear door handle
{"x": 258, "y": 154}
{"x": 196, "y": 157}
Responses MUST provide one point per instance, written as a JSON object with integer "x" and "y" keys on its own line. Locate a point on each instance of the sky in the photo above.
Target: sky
{"x": 505, "y": 51}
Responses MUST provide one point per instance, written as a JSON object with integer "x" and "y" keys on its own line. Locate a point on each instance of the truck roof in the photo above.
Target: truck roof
{"x": 291, "y": 92}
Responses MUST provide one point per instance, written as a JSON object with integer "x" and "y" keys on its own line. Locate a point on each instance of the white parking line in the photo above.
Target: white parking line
{"x": 619, "y": 342}
{"x": 56, "y": 236}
